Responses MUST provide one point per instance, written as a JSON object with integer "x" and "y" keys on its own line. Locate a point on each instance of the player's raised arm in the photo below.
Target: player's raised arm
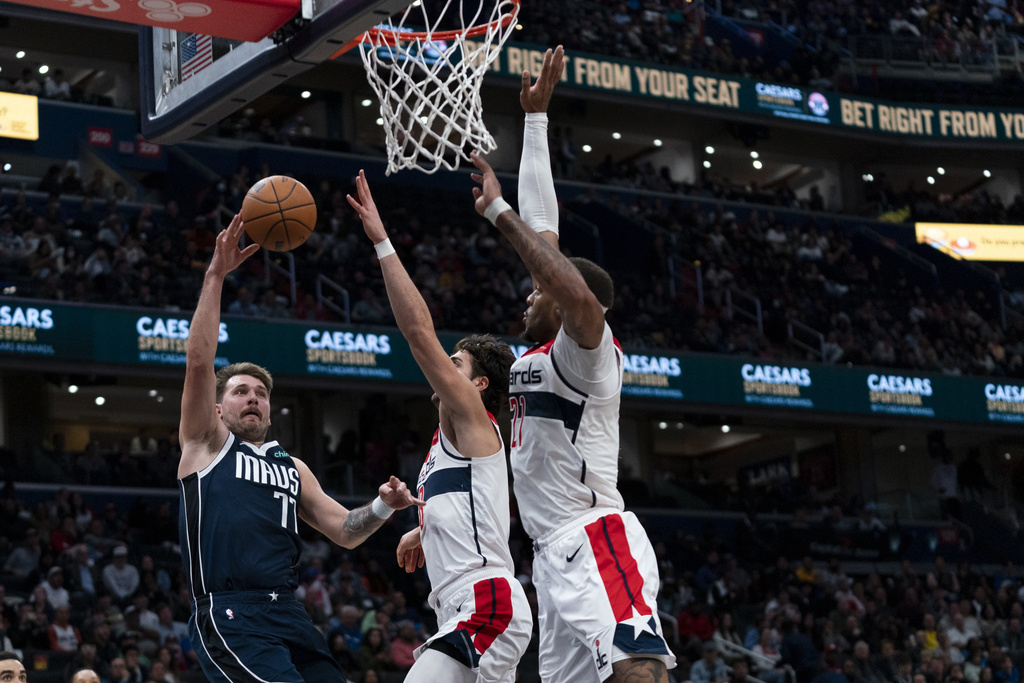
{"x": 538, "y": 204}
{"x": 201, "y": 430}
{"x": 582, "y": 314}
{"x": 458, "y": 393}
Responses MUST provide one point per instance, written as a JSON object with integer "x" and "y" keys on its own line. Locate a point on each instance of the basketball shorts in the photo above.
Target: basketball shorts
{"x": 484, "y": 622}
{"x": 597, "y": 588}
{"x": 259, "y": 636}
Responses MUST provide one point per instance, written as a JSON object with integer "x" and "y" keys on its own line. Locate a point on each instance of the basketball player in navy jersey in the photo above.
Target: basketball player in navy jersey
{"x": 241, "y": 497}
{"x": 594, "y": 567}
{"x": 484, "y": 619}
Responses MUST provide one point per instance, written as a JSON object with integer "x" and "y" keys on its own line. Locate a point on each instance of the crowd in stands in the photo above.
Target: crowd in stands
{"x": 868, "y": 312}
{"x": 104, "y": 588}
{"x": 53, "y": 86}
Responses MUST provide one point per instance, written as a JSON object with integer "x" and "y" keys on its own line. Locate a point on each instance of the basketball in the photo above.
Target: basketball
{"x": 279, "y": 213}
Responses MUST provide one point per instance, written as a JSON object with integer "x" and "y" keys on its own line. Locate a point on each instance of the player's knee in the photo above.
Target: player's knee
{"x": 639, "y": 670}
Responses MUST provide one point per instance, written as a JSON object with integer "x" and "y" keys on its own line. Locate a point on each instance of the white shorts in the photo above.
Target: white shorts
{"x": 484, "y": 622}
{"x": 597, "y": 589}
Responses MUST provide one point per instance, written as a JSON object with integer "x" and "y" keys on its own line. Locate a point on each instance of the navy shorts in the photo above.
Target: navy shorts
{"x": 259, "y": 637}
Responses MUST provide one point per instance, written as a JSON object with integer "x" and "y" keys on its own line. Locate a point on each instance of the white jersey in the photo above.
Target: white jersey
{"x": 465, "y": 524}
{"x": 565, "y": 430}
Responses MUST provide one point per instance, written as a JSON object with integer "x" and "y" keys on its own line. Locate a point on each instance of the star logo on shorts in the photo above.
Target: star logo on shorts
{"x": 273, "y": 596}
{"x": 641, "y": 623}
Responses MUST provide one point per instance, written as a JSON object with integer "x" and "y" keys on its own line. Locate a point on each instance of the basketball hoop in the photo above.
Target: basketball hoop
{"x": 428, "y": 82}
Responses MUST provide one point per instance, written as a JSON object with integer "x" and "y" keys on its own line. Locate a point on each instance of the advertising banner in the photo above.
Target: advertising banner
{"x": 974, "y": 242}
{"x": 719, "y": 91}
{"x": 19, "y": 116}
{"x": 31, "y": 329}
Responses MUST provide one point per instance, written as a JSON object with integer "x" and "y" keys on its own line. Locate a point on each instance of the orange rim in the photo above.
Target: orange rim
{"x": 376, "y": 35}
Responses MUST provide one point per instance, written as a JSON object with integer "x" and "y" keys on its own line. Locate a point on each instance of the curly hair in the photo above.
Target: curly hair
{"x": 492, "y": 358}
{"x": 597, "y": 279}
{"x": 229, "y": 371}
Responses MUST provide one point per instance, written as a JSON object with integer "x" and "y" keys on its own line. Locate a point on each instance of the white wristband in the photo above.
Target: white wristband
{"x": 380, "y": 508}
{"x": 384, "y": 248}
{"x": 495, "y": 209}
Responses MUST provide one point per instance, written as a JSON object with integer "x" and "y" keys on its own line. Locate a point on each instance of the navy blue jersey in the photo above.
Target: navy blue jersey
{"x": 238, "y": 522}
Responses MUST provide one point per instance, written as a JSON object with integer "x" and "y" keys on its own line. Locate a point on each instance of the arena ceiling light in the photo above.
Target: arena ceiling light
{"x": 657, "y": 142}
{"x": 380, "y": 121}
{"x": 707, "y": 164}
{"x": 43, "y": 68}
{"x": 726, "y": 429}
{"x": 941, "y": 171}
{"x": 987, "y": 173}
{"x": 757, "y": 164}
{"x": 754, "y": 154}
{"x": 367, "y": 102}
{"x": 306, "y": 94}
{"x": 20, "y": 54}
{"x": 663, "y": 425}
{"x": 587, "y": 148}
{"x": 931, "y": 180}
{"x": 617, "y": 135}
{"x": 7, "y": 168}
{"x": 72, "y": 388}
{"x": 100, "y": 400}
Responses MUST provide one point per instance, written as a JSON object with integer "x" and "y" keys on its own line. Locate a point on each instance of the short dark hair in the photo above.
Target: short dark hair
{"x": 229, "y": 371}
{"x": 10, "y": 655}
{"x": 597, "y": 279}
{"x": 492, "y": 358}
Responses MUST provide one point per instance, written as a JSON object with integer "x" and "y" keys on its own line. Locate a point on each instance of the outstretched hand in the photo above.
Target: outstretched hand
{"x": 396, "y": 495}
{"x": 226, "y": 254}
{"x": 490, "y": 188}
{"x": 410, "y": 551}
{"x": 367, "y": 210}
{"x": 535, "y": 96}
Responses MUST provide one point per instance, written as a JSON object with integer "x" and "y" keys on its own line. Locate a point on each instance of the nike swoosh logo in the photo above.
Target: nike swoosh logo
{"x": 570, "y": 558}
{"x": 459, "y": 608}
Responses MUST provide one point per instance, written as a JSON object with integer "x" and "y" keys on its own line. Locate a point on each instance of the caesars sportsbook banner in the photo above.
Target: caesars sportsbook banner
{"x": 719, "y": 92}
{"x": 115, "y": 336}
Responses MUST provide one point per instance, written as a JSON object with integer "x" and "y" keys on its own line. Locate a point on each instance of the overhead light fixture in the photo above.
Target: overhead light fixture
{"x": 657, "y": 142}
{"x": 19, "y": 54}
{"x": 72, "y": 388}
{"x": 709, "y": 149}
{"x": 662, "y": 425}
{"x": 758, "y": 164}
{"x": 160, "y": 399}
{"x": 903, "y": 448}
{"x": 100, "y": 400}
{"x": 987, "y": 173}
{"x": 153, "y": 392}
{"x": 587, "y": 148}
{"x": 707, "y": 164}
{"x": 7, "y": 167}
{"x": 753, "y": 154}
{"x": 43, "y": 68}
{"x": 306, "y": 94}
{"x": 616, "y": 135}
{"x": 380, "y": 121}
{"x": 931, "y": 180}
{"x": 367, "y": 102}
{"x": 941, "y": 171}
{"x": 1006, "y": 455}
{"x": 679, "y": 425}
{"x": 726, "y": 429}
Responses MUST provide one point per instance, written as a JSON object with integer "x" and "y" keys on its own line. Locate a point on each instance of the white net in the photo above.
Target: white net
{"x": 428, "y": 81}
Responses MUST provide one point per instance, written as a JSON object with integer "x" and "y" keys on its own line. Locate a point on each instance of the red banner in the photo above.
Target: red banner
{"x": 233, "y": 19}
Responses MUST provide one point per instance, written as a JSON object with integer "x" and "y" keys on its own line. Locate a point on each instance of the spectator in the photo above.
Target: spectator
{"x": 27, "y": 84}
{"x": 63, "y": 636}
{"x": 55, "y": 87}
{"x": 710, "y": 667}
{"x": 53, "y": 588}
{"x": 243, "y": 304}
{"x": 374, "y": 652}
{"x": 121, "y": 578}
{"x": 408, "y": 640}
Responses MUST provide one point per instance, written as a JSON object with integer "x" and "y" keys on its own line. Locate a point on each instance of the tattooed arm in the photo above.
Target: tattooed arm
{"x": 347, "y": 528}
{"x": 553, "y": 273}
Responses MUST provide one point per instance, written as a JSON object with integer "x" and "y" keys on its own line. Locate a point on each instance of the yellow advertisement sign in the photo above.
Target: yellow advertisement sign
{"x": 974, "y": 242}
{"x": 19, "y": 116}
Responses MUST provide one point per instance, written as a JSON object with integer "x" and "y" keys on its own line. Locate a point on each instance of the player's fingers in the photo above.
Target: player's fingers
{"x": 420, "y": 559}
{"x": 417, "y": 501}
{"x": 526, "y": 82}
{"x": 250, "y": 250}
{"x": 477, "y": 193}
{"x": 354, "y": 203}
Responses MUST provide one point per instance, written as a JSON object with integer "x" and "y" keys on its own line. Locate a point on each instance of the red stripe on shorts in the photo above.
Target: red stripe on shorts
{"x": 493, "y": 612}
{"x": 622, "y": 580}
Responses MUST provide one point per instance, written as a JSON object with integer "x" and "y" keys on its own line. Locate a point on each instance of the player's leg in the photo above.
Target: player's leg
{"x": 639, "y": 670}
{"x": 500, "y": 659}
{"x": 433, "y": 665}
{"x": 562, "y": 656}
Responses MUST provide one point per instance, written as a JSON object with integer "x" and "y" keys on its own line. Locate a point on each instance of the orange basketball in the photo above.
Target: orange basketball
{"x": 279, "y": 213}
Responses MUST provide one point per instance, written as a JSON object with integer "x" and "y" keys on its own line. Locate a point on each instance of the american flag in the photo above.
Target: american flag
{"x": 196, "y": 54}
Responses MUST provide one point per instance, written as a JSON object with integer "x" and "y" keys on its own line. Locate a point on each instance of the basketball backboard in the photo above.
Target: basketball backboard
{"x": 191, "y": 81}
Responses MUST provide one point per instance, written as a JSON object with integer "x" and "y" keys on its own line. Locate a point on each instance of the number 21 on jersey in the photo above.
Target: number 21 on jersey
{"x": 517, "y": 406}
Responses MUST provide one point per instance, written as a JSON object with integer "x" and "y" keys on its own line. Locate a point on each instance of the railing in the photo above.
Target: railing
{"x": 728, "y": 647}
{"x": 817, "y": 346}
{"x": 344, "y": 310}
{"x": 733, "y": 310}
{"x": 919, "y": 54}
{"x": 289, "y": 272}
